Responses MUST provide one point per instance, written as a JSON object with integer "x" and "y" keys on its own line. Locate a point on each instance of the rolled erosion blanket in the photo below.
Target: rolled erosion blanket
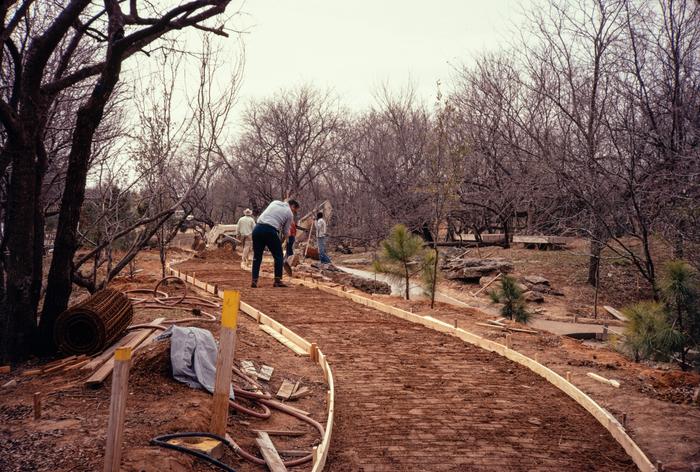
{"x": 93, "y": 324}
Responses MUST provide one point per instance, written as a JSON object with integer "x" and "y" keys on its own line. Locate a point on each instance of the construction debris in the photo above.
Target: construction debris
{"x": 249, "y": 369}
{"x": 266, "y": 373}
{"x": 286, "y": 390}
{"x": 105, "y": 370}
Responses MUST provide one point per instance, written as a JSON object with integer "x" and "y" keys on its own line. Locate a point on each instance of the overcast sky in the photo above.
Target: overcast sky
{"x": 355, "y": 46}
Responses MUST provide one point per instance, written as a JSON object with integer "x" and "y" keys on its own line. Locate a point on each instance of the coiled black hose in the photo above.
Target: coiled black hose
{"x": 162, "y": 441}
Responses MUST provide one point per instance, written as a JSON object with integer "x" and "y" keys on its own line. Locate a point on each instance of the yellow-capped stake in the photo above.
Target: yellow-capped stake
{"x": 122, "y": 354}
{"x": 229, "y": 313}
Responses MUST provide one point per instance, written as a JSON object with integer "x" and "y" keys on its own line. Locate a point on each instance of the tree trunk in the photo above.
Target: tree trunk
{"x": 594, "y": 262}
{"x": 506, "y": 232}
{"x": 59, "y": 285}
{"x": 18, "y": 311}
{"x": 679, "y": 240}
{"x": 408, "y": 282}
{"x": 435, "y": 276}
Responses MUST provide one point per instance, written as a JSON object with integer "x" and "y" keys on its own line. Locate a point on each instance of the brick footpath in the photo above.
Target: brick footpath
{"x": 412, "y": 399}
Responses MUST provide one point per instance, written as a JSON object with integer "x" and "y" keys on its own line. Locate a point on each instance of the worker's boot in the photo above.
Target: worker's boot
{"x": 254, "y": 283}
{"x": 279, "y": 283}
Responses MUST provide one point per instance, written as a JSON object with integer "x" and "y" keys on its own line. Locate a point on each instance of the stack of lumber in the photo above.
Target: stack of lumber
{"x": 102, "y": 365}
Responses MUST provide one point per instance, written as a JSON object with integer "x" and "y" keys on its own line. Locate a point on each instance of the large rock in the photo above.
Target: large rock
{"x": 472, "y": 268}
{"x": 536, "y": 280}
{"x": 533, "y": 297}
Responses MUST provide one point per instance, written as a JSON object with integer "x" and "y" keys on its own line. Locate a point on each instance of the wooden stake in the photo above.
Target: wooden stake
{"x": 508, "y": 341}
{"x": 455, "y": 324}
{"x": 313, "y": 352}
{"x": 117, "y": 409}
{"x": 624, "y": 420}
{"x": 5, "y": 369}
{"x": 568, "y": 376}
{"x": 224, "y": 361}
{"x": 37, "y": 405}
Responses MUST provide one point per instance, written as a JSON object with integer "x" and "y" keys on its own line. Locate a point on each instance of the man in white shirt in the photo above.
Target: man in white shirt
{"x": 245, "y": 233}
{"x": 321, "y": 236}
{"x": 273, "y": 226}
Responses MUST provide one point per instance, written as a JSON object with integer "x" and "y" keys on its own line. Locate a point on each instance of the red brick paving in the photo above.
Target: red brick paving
{"x": 412, "y": 399}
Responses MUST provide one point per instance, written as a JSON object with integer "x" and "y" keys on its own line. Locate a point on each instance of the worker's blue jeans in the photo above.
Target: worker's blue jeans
{"x": 265, "y": 236}
{"x": 290, "y": 246}
{"x": 322, "y": 256}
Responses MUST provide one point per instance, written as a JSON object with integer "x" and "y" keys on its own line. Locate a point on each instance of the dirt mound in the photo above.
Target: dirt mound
{"x": 219, "y": 253}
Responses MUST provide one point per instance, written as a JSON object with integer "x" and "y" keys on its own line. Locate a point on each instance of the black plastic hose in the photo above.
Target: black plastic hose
{"x": 162, "y": 442}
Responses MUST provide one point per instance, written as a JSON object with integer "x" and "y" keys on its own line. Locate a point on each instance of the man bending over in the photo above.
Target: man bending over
{"x": 273, "y": 225}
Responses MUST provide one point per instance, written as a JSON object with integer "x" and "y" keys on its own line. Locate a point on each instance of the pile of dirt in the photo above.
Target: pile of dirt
{"x": 218, "y": 253}
{"x": 673, "y": 386}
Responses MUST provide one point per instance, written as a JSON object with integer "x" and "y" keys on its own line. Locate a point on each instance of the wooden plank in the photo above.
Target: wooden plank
{"x": 280, "y": 432}
{"x": 266, "y": 372}
{"x": 63, "y": 365}
{"x": 101, "y": 374}
{"x": 285, "y": 390}
{"x": 5, "y": 369}
{"x": 109, "y": 352}
{"x": 602, "y": 379}
{"x": 282, "y": 339}
{"x": 117, "y": 409}
{"x": 617, "y": 314}
{"x": 300, "y": 393}
{"x": 224, "y": 362}
{"x": 269, "y": 453}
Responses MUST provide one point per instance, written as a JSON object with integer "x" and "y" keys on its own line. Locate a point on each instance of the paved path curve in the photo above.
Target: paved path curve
{"x": 412, "y": 399}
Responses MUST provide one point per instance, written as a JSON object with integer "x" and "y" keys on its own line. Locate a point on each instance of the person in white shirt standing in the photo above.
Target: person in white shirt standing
{"x": 273, "y": 225}
{"x": 245, "y": 234}
{"x": 321, "y": 234}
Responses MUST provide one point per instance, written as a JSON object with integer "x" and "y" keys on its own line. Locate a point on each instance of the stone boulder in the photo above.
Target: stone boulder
{"x": 533, "y": 297}
{"x": 535, "y": 280}
{"x": 473, "y": 269}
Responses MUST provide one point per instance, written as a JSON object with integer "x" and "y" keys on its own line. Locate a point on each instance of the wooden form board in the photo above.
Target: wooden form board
{"x": 279, "y": 337}
{"x": 617, "y": 314}
{"x": 321, "y": 451}
{"x": 608, "y": 421}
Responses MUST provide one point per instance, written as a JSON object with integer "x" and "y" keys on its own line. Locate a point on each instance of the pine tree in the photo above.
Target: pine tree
{"x": 402, "y": 256}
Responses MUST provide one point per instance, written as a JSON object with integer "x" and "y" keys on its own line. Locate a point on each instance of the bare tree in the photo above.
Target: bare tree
{"x": 286, "y": 143}
{"x": 39, "y": 45}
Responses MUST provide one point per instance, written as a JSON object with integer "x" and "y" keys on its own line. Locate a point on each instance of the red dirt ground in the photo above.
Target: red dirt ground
{"x": 70, "y": 436}
{"x": 412, "y": 399}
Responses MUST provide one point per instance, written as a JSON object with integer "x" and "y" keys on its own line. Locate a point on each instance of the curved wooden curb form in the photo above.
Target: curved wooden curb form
{"x": 292, "y": 340}
{"x": 608, "y": 421}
